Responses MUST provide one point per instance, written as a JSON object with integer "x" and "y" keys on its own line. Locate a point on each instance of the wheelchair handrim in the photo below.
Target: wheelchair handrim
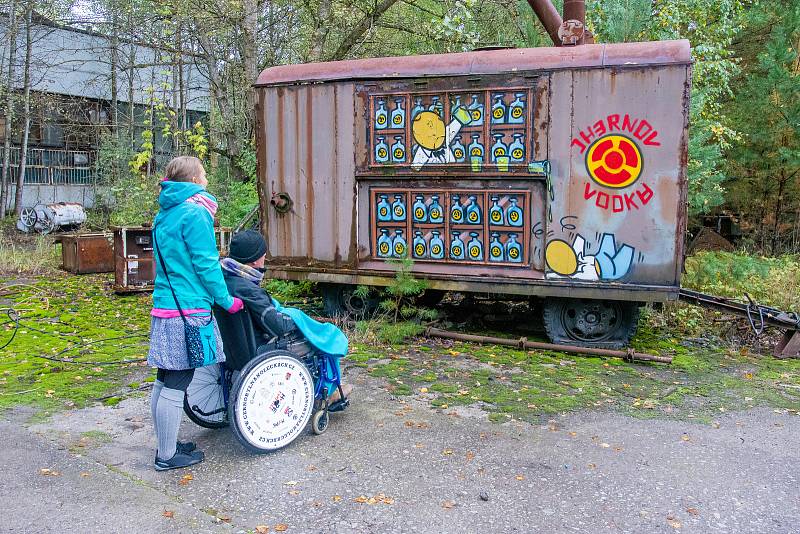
{"x": 274, "y": 402}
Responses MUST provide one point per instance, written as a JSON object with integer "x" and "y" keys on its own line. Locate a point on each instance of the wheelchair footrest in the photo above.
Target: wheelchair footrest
{"x": 339, "y": 405}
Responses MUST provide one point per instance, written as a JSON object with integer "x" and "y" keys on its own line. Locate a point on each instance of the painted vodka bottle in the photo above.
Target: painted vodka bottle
{"x": 516, "y": 111}
{"x": 473, "y": 211}
{"x": 384, "y": 244}
{"x": 514, "y": 213}
{"x": 420, "y": 247}
{"x": 513, "y": 249}
{"x": 517, "y": 149}
{"x": 398, "y": 149}
{"x": 398, "y": 209}
{"x": 384, "y": 209}
{"x": 499, "y": 148}
{"x": 435, "y": 212}
{"x": 418, "y": 107}
{"x": 399, "y": 244}
{"x": 436, "y": 105}
{"x": 476, "y": 110}
{"x": 496, "y": 216}
{"x": 381, "y": 116}
{"x": 459, "y": 152}
{"x": 498, "y": 110}
{"x": 436, "y": 246}
{"x": 456, "y": 247}
{"x": 496, "y": 249}
{"x": 455, "y": 106}
{"x": 475, "y": 148}
{"x": 475, "y": 247}
{"x": 381, "y": 150}
{"x": 419, "y": 209}
{"x": 457, "y": 211}
{"x": 398, "y": 114}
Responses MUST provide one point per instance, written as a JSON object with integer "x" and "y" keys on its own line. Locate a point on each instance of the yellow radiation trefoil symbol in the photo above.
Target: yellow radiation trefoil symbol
{"x": 614, "y": 161}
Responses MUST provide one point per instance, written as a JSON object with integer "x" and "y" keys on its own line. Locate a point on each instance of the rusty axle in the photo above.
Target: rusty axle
{"x": 523, "y": 343}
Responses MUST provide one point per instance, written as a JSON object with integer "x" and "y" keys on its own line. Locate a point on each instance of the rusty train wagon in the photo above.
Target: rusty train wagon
{"x": 554, "y": 173}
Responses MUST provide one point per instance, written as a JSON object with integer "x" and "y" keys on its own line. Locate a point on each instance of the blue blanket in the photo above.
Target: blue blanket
{"x": 326, "y": 337}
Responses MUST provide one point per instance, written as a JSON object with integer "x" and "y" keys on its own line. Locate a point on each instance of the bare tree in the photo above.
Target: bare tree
{"x": 12, "y": 63}
{"x": 26, "y": 111}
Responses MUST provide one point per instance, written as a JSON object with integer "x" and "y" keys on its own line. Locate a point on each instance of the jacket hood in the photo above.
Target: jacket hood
{"x": 173, "y": 193}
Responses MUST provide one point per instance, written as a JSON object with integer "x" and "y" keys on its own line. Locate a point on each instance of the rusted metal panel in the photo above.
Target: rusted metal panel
{"x": 87, "y": 253}
{"x": 483, "y": 62}
{"x": 307, "y": 146}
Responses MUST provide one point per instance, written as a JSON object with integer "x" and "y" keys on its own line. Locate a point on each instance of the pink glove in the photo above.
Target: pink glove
{"x": 236, "y": 306}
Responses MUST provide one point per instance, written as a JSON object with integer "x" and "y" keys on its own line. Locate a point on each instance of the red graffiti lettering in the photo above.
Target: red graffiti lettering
{"x": 629, "y": 201}
{"x": 588, "y": 192}
{"x": 645, "y": 195}
{"x": 651, "y": 139}
{"x": 580, "y": 145}
{"x": 587, "y": 138}
{"x": 613, "y": 122}
{"x": 616, "y": 204}
{"x": 602, "y": 195}
{"x": 641, "y": 129}
{"x": 599, "y": 128}
{"x": 627, "y": 124}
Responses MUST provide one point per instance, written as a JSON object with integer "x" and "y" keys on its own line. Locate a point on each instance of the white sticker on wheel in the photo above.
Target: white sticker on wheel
{"x": 275, "y": 402}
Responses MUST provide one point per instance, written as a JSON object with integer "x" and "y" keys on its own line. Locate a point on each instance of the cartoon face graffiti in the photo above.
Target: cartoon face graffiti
{"x": 571, "y": 261}
{"x": 434, "y": 138}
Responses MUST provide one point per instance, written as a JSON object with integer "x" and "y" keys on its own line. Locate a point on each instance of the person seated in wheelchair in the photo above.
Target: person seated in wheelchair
{"x": 243, "y": 270}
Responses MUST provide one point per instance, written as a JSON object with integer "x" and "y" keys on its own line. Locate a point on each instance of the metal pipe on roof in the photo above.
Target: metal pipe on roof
{"x": 575, "y": 10}
{"x": 549, "y": 17}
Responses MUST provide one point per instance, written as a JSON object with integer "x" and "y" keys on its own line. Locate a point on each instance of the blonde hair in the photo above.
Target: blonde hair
{"x": 183, "y": 169}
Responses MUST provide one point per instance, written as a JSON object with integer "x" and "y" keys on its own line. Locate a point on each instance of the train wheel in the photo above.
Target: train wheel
{"x": 589, "y": 322}
{"x": 342, "y": 299}
{"x": 271, "y": 401}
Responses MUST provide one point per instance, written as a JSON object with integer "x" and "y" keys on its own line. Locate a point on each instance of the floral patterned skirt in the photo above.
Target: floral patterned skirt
{"x": 168, "y": 342}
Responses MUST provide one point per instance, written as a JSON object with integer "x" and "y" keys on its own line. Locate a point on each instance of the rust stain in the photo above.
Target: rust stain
{"x": 309, "y": 200}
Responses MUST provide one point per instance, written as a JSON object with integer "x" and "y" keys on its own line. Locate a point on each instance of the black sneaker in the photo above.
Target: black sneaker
{"x": 182, "y": 447}
{"x": 179, "y": 460}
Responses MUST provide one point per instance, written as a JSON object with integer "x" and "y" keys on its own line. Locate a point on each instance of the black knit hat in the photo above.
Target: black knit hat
{"x": 247, "y": 246}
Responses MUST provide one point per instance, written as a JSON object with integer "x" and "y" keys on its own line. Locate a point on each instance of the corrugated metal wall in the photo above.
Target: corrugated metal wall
{"x": 308, "y": 152}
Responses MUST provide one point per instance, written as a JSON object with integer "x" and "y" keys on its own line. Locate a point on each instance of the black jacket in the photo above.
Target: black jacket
{"x": 267, "y": 321}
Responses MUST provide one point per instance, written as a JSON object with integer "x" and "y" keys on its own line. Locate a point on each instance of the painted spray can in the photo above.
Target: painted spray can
{"x": 436, "y": 246}
{"x": 435, "y": 212}
{"x": 384, "y": 244}
{"x": 381, "y": 150}
{"x": 398, "y": 209}
{"x": 419, "y": 209}
{"x": 399, "y": 244}
{"x": 398, "y": 114}
{"x": 473, "y": 211}
{"x": 516, "y": 111}
{"x": 475, "y": 247}
{"x": 381, "y": 116}
{"x": 496, "y": 216}
{"x": 398, "y": 149}
{"x": 513, "y": 249}
{"x": 457, "y": 211}
{"x": 514, "y": 213}
{"x": 420, "y": 246}
{"x": 496, "y": 249}
{"x": 384, "y": 209}
{"x": 456, "y": 247}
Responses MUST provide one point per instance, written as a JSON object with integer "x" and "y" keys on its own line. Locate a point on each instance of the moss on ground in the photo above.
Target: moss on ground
{"x": 77, "y": 319}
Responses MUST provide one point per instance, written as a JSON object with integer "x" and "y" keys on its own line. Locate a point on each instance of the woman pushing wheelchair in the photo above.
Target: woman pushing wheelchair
{"x": 293, "y": 370}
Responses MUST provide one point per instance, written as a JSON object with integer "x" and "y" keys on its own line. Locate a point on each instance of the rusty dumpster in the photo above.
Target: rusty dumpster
{"x": 87, "y": 253}
{"x": 552, "y": 173}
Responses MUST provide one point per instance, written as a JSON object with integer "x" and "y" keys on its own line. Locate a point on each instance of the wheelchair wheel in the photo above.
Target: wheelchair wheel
{"x": 319, "y": 423}
{"x": 271, "y": 401}
{"x": 204, "y": 402}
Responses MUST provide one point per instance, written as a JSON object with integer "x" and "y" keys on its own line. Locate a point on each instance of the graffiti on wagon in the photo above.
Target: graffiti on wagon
{"x": 614, "y": 162}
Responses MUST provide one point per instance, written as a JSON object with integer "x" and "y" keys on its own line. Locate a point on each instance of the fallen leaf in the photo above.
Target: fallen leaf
{"x": 674, "y": 523}
{"x": 573, "y": 434}
{"x": 281, "y": 527}
{"x": 748, "y": 376}
{"x": 592, "y": 466}
{"x": 49, "y": 472}
{"x": 361, "y": 499}
{"x": 419, "y": 445}
{"x": 225, "y": 518}
{"x": 470, "y": 456}
{"x": 388, "y": 500}
{"x": 185, "y": 479}
{"x": 423, "y": 390}
{"x": 85, "y": 474}
{"x": 262, "y": 529}
{"x": 685, "y": 437}
{"x": 693, "y": 511}
{"x": 520, "y": 477}
{"x": 168, "y": 514}
{"x": 605, "y": 445}
{"x": 337, "y": 498}
{"x": 448, "y": 504}
{"x": 294, "y": 492}
{"x": 447, "y": 451}
{"x": 290, "y": 483}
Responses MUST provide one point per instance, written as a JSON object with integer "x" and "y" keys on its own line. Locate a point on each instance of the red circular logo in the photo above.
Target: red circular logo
{"x": 614, "y": 161}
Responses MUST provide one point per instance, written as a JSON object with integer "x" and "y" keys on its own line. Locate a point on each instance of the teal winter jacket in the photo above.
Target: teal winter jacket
{"x": 184, "y": 233}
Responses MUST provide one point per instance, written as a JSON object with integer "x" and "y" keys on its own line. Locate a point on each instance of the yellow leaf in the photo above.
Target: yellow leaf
{"x": 573, "y": 434}
{"x": 85, "y": 474}
{"x": 423, "y": 390}
{"x": 447, "y": 451}
{"x": 685, "y": 437}
{"x": 470, "y": 455}
{"x": 290, "y": 483}
{"x": 361, "y": 499}
{"x": 281, "y": 527}
{"x": 748, "y": 376}
{"x": 388, "y": 500}
{"x": 693, "y": 511}
{"x": 337, "y": 498}
{"x": 185, "y": 479}
{"x": 262, "y": 529}
{"x": 294, "y": 492}
{"x": 520, "y": 477}
{"x": 674, "y": 523}
{"x": 448, "y": 504}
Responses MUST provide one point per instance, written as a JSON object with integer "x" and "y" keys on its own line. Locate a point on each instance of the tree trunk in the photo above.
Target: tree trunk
{"x": 355, "y": 35}
{"x": 12, "y": 60}
{"x": 321, "y": 28}
{"x": 778, "y": 209}
{"x": 249, "y": 56}
{"x": 26, "y": 113}
{"x": 114, "y": 68}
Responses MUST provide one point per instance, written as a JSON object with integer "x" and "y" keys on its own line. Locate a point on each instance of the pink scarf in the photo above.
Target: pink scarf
{"x": 205, "y": 201}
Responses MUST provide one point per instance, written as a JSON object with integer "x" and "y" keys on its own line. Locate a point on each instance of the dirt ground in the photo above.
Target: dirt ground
{"x": 394, "y": 463}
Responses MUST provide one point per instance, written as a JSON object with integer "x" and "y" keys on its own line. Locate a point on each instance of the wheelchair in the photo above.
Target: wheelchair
{"x": 266, "y": 392}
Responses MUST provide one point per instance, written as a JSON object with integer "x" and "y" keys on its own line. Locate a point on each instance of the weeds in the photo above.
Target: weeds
{"x": 34, "y": 254}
